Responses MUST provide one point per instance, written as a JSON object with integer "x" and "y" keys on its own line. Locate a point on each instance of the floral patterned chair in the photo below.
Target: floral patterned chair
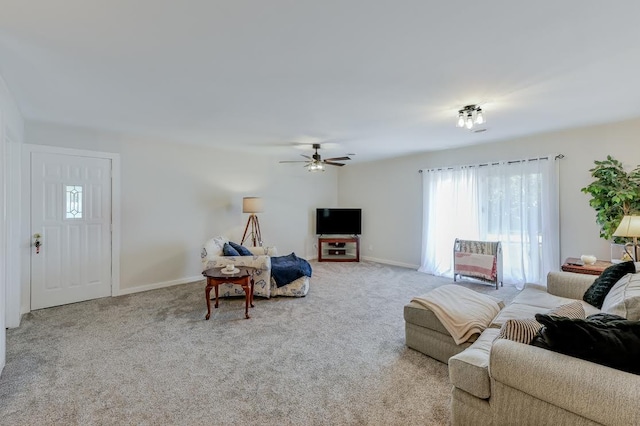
{"x": 265, "y": 286}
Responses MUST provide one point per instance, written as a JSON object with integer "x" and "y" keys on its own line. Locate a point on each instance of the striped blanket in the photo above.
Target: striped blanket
{"x": 476, "y": 265}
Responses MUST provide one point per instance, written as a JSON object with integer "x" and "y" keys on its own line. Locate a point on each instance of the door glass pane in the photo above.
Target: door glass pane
{"x": 74, "y": 201}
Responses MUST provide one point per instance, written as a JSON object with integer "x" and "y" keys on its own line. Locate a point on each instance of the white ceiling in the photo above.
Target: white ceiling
{"x": 383, "y": 78}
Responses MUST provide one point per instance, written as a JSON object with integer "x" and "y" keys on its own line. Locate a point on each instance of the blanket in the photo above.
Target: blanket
{"x": 476, "y": 265}
{"x": 286, "y": 269}
{"x": 461, "y": 311}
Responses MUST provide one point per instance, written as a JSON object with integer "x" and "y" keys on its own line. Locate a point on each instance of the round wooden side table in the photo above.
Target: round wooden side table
{"x": 215, "y": 277}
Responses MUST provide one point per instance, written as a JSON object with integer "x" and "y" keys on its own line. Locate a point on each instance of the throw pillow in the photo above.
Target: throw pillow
{"x": 614, "y": 343}
{"x": 241, "y": 249}
{"x": 227, "y": 250}
{"x": 569, "y": 310}
{"x": 600, "y": 288}
{"x": 519, "y": 330}
{"x": 624, "y": 298}
{"x": 602, "y": 317}
{"x": 524, "y": 330}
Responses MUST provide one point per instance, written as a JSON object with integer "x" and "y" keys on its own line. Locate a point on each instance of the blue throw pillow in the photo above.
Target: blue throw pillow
{"x": 227, "y": 250}
{"x": 241, "y": 249}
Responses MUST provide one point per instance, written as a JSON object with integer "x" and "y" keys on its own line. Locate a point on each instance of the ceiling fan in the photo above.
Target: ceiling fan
{"x": 316, "y": 163}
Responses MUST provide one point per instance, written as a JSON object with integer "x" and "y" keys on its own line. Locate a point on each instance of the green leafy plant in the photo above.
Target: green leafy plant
{"x": 614, "y": 193}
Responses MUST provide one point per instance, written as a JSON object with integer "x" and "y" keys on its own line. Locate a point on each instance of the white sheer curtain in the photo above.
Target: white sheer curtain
{"x": 449, "y": 211}
{"x": 512, "y": 202}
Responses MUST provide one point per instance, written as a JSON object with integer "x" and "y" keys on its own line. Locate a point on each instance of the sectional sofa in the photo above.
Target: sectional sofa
{"x": 502, "y": 382}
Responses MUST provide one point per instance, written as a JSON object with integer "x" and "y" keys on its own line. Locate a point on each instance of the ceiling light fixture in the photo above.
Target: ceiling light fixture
{"x": 469, "y": 116}
{"x": 316, "y": 166}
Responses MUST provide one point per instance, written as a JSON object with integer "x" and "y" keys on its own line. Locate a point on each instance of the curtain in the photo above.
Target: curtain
{"x": 515, "y": 203}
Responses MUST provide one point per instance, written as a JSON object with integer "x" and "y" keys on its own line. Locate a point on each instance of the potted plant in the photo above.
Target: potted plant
{"x": 614, "y": 193}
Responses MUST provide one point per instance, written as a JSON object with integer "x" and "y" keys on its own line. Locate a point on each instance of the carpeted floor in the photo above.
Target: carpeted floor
{"x": 334, "y": 357}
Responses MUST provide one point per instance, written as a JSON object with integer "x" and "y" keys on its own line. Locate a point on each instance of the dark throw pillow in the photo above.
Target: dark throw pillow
{"x": 240, "y": 249}
{"x": 602, "y": 317}
{"x": 605, "y": 340}
{"x": 227, "y": 250}
{"x": 598, "y": 291}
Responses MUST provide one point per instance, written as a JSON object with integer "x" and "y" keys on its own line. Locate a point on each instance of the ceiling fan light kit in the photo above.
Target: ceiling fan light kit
{"x": 315, "y": 163}
{"x": 469, "y": 116}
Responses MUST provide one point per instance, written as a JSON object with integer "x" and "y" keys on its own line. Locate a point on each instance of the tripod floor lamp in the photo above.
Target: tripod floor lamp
{"x": 252, "y": 205}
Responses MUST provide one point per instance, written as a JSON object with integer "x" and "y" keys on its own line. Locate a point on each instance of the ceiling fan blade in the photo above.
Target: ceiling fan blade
{"x": 306, "y": 156}
{"x": 300, "y": 161}
{"x": 338, "y": 159}
{"x": 333, "y": 164}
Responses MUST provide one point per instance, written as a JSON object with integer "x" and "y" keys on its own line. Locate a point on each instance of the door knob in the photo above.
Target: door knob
{"x": 37, "y": 243}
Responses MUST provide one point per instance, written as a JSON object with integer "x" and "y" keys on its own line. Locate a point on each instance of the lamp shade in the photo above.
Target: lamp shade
{"x": 252, "y": 205}
{"x": 629, "y": 227}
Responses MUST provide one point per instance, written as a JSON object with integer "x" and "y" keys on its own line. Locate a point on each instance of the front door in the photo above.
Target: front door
{"x": 71, "y": 216}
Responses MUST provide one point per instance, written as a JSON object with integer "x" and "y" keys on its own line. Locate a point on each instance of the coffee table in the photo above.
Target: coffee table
{"x": 244, "y": 278}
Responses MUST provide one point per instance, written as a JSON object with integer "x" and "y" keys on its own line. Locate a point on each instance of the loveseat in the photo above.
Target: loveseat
{"x": 502, "y": 382}
{"x": 265, "y": 286}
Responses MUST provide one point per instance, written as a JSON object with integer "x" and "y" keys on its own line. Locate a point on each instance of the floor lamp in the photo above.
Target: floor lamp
{"x": 630, "y": 227}
{"x": 252, "y": 205}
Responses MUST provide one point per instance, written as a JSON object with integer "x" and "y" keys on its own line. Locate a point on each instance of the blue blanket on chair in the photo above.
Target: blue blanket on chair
{"x": 286, "y": 269}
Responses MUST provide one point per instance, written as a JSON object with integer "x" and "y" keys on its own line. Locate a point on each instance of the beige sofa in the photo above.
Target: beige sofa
{"x": 509, "y": 383}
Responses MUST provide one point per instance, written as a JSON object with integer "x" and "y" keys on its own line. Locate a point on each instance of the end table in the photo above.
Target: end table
{"x": 243, "y": 277}
{"x": 573, "y": 264}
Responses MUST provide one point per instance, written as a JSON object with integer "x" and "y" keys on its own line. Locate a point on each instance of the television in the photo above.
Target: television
{"x": 339, "y": 221}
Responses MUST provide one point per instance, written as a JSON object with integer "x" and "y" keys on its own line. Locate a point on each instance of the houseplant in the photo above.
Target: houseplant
{"x": 614, "y": 193}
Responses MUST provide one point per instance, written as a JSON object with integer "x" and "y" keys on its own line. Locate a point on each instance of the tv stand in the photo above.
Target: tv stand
{"x": 339, "y": 249}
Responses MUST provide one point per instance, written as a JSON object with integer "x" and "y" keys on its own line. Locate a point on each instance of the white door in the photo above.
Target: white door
{"x": 71, "y": 211}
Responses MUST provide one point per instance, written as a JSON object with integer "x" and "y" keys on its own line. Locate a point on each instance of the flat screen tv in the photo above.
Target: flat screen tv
{"x": 339, "y": 221}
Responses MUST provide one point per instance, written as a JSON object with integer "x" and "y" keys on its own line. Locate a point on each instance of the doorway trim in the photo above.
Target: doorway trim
{"x": 28, "y": 149}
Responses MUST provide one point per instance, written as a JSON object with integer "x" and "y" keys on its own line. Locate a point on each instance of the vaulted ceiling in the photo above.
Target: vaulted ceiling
{"x": 381, "y": 78}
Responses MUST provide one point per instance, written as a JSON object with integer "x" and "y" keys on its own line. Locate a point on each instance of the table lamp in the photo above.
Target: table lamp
{"x": 252, "y": 205}
{"x": 630, "y": 227}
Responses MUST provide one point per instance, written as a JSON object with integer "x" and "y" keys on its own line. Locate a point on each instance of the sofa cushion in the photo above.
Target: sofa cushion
{"x": 469, "y": 370}
{"x": 515, "y": 311}
{"x": 624, "y": 298}
{"x": 614, "y": 343}
{"x": 596, "y": 294}
{"x": 536, "y": 295}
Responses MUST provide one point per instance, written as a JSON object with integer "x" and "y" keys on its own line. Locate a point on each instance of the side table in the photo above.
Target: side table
{"x": 573, "y": 264}
{"x": 243, "y": 278}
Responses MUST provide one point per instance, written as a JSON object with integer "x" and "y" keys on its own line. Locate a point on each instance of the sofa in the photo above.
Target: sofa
{"x": 502, "y": 382}
{"x": 265, "y": 286}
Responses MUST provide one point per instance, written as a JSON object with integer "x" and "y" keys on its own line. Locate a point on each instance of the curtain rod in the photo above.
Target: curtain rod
{"x": 557, "y": 157}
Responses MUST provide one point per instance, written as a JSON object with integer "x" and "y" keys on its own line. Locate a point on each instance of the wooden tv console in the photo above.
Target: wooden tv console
{"x": 339, "y": 249}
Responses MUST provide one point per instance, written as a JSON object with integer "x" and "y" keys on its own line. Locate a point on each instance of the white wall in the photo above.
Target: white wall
{"x": 175, "y": 196}
{"x": 390, "y": 191}
{"x": 11, "y": 133}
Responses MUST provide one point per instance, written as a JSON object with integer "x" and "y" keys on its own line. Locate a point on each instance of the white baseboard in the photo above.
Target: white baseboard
{"x": 390, "y": 262}
{"x": 156, "y": 286}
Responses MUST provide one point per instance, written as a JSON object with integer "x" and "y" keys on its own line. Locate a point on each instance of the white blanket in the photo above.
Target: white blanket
{"x": 461, "y": 311}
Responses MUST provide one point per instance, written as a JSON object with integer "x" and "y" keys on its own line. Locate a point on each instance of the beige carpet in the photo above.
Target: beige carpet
{"x": 334, "y": 357}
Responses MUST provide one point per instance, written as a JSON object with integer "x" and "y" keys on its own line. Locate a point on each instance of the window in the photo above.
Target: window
{"x": 74, "y": 202}
{"x": 511, "y": 202}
